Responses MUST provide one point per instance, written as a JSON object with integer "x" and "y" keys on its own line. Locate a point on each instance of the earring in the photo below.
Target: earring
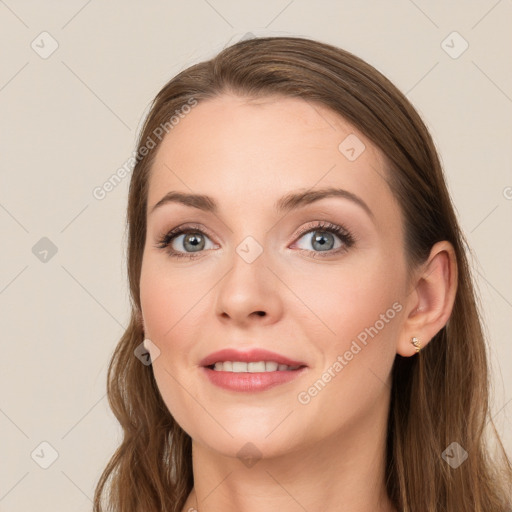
{"x": 416, "y": 342}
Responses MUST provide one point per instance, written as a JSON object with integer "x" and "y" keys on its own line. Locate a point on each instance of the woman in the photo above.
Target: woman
{"x": 300, "y": 287}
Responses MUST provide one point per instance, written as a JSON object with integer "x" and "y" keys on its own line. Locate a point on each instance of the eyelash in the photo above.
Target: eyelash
{"x": 343, "y": 234}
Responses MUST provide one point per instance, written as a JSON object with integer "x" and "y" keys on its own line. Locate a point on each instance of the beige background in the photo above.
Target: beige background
{"x": 70, "y": 120}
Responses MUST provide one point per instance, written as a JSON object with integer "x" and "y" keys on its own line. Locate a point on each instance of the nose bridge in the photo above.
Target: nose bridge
{"x": 250, "y": 250}
{"x": 249, "y": 286}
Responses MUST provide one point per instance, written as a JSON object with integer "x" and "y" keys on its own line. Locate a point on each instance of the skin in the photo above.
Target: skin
{"x": 327, "y": 454}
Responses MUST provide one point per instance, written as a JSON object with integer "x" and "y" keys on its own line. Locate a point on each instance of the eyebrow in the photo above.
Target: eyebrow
{"x": 291, "y": 201}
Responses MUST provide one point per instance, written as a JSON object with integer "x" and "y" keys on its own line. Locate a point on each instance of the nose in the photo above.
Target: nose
{"x": 249, "y": 293}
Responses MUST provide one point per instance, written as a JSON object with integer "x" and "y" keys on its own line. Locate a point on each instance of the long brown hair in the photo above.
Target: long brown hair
{"x": 437, "y": 398}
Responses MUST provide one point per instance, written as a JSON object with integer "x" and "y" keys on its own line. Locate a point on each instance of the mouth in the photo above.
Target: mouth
{"x": 254, "y": 360}
{"x": 251, "y": 370}
{"x": 252, "y": 367}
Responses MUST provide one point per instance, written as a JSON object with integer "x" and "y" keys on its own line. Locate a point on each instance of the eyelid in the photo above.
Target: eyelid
{"x": 187, "y": 226}
{"x": 322, "y": 225}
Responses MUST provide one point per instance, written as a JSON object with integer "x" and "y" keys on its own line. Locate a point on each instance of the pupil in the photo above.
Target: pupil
{"x": 317, "y": 239}
{"x": 195, "y": 241}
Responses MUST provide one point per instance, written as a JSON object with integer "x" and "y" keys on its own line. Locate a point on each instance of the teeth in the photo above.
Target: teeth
{"x": 256, "y": 367}
{"x": 253, "y": 367}
{"x": 271, "y": 366}
{"x": 237, "y": 367}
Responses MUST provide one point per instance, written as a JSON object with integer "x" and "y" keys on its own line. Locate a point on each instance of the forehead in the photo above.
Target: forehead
{"x": 249, "y": 152}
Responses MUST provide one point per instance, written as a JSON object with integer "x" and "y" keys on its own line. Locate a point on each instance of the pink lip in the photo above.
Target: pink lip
{"x": 249, "y": 356}
{"x": 250, "y": 382}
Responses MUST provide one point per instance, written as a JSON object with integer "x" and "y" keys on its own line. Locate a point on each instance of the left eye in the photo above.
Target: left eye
{"x": 322, "y": 238}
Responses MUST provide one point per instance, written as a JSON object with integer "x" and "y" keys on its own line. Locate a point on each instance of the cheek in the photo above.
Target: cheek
{"x": 360, "y": 313}
{"x": 343, "y": 301}
{"x": 357, "y": 319}
{"x": 158, "y": 305}
{"x": 169, "y": 298}
{"x": 172, "y": 307}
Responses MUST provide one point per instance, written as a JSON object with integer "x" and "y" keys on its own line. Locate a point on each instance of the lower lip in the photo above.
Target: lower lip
{"x": 250, "y": 382}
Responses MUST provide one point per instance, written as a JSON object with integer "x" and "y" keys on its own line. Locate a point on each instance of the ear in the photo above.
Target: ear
{"x": 430, "y": 303}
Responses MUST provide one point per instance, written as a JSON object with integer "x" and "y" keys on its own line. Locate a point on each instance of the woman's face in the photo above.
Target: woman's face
{"x": 263, "y": 270}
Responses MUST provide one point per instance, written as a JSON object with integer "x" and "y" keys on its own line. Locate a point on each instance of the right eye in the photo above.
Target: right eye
{"x": 183, "y": 242}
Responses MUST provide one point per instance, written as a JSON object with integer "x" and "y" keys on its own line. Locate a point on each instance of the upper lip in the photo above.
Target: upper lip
{"x": 248, "y": 356}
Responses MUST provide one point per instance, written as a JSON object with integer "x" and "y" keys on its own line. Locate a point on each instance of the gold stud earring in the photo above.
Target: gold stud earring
{"x": 416, "y": 342}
